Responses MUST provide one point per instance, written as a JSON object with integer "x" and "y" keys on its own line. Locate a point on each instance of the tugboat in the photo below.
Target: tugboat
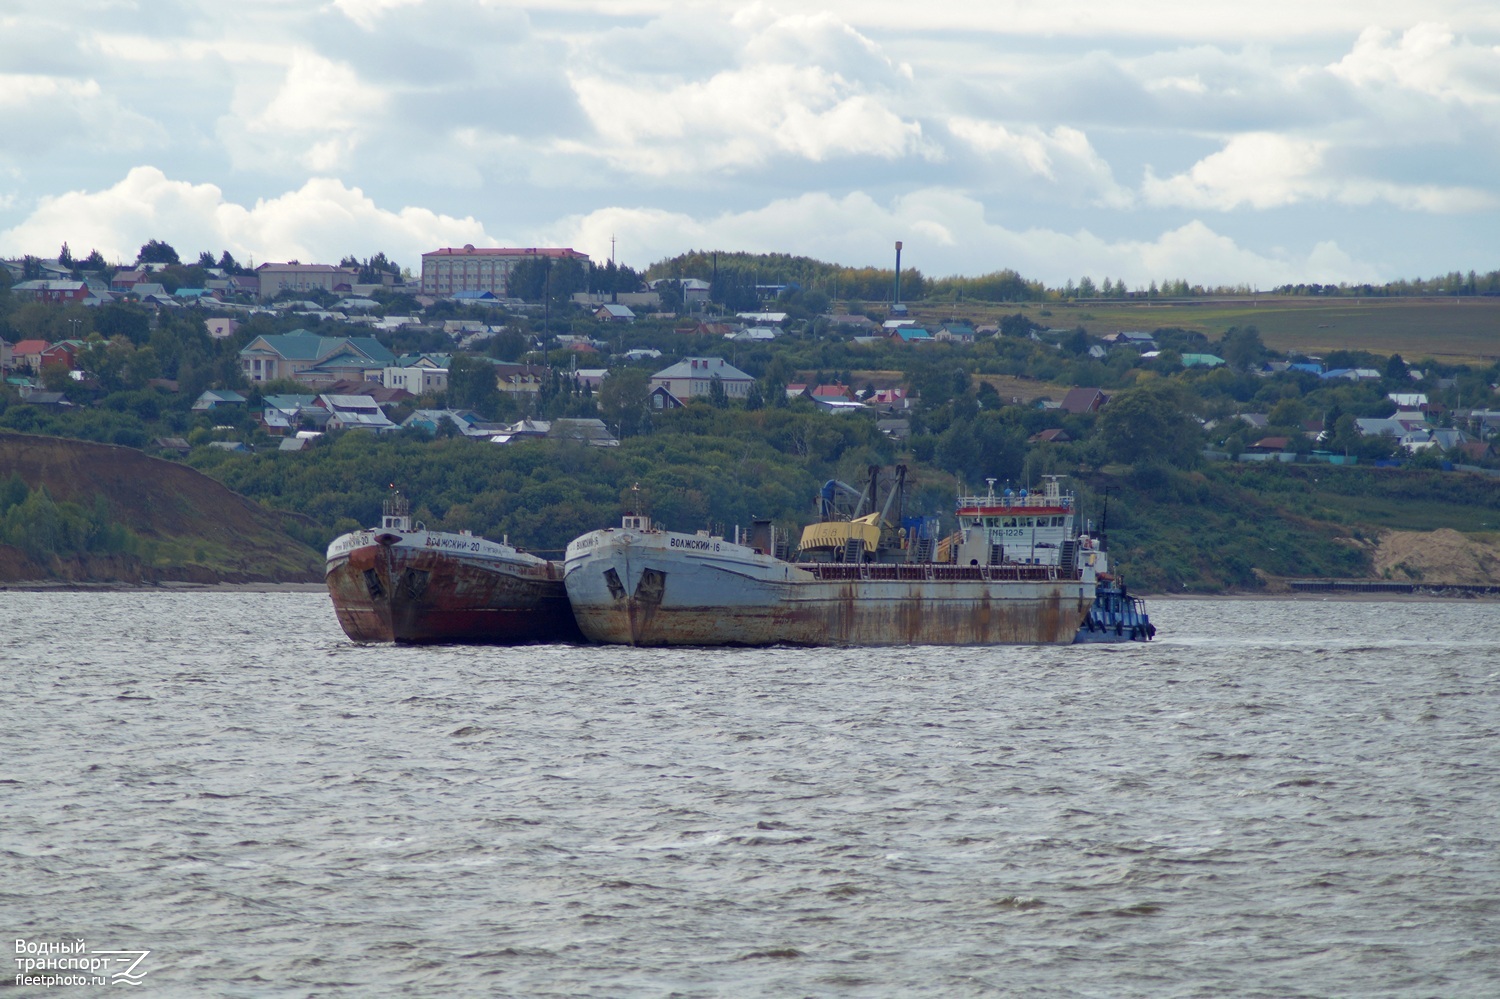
{"x": 1115, "y": 616}
{"x": 402, "y": 583}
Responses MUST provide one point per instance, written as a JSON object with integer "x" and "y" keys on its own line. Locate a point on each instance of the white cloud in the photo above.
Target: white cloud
{"x": 1428, "y": 59}
{"x": 739, "y": 119}
{"x": 1259, "y": 170}
{"x": 314, "y": 117}
{"x": 1264, "y": 171}
{"x": 804, "y": 86}
{"x": 50, "y": 111}
{"x": 17, "y": 90}
{"x": 367, "y": 13}
{"x": 1273, "y": 20}
{"x": 1062, "y": 156}
{"x": 688, "y": 115}
{"x": 321, "y": 221}
{"x": 946, "y": 232}
{"x": 1192, "y": 84}
{"x": 817, "y": 38}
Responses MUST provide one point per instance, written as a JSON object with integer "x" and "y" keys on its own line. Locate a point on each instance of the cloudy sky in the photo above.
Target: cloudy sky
{"x": 1225, "y": 143}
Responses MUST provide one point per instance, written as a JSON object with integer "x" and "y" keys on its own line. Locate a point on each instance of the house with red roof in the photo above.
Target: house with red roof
{"x": 51, "y": 292}
{"x": 834, "y": 391}
{"x": 127, "y": 280}
{"x": 63, "y": 354}
{"x": 1083, "y": 400}
{"x": 28, "y": 354}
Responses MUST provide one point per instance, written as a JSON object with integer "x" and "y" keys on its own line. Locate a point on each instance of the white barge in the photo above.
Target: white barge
{"x": 1014, "y": 573}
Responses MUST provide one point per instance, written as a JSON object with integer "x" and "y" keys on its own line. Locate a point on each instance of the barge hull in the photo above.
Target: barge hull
{"x": 397, "y": 594}
{"x": 684, "y": 601}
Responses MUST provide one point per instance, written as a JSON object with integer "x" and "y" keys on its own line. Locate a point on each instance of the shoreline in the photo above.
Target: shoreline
{"x": 1324, "y": 595}
{"x": 73, "y": 586}
{"x": 67, "y": 586}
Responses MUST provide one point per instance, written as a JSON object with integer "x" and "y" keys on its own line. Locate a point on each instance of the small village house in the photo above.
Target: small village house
{"x": 693, "y": 377}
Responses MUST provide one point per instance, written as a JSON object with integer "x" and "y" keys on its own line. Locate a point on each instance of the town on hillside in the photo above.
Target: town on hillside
{"x": 504, "y": 344}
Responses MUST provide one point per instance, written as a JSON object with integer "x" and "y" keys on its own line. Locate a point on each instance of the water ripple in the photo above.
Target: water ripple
{"x": 1279, "y": 798}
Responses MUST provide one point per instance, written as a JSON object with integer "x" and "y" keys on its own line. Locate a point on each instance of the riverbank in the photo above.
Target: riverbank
{"x": 42, "y": 586}
{"x": 54, "y": 586}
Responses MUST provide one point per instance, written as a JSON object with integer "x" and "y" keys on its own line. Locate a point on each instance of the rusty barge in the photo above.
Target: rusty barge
{"x": 403, "y": 583}
{"x": 1014, "y": 573}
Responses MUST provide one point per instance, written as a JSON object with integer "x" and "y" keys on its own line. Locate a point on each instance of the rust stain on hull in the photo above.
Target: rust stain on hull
{"x": 846, "y": 613}
{"x": 393, "y": 594}
{"x": 935, "y": 622}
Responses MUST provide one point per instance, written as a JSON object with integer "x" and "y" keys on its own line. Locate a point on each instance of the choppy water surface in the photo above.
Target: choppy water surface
{"x": 1275, "y": 799}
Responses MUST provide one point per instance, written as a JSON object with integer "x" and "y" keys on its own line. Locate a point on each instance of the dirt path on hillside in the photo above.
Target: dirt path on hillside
{"x": 1442, "y": 556}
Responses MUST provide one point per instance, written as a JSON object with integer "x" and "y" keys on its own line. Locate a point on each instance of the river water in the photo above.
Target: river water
{"x": 1277, "y": 798}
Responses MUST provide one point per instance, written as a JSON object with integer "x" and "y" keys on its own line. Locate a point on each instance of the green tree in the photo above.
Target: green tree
{"x": 1075, "y": 342}
{"x": 57, "y": 378}
{"x": 130, "y": 321}
{"x": 671, "y": 295}
{"x": 157, "y": 252}
{"x": 986, "y": 445}
{"x": 1015, "y": 325}
{"x": 12, "y": 491}
{"x": 536, "y": 278}
{"x": 1242, "y": 348}
{"x": 472, "y": 385}
{"x": 1287, "y": 413}
{"x": 623, "y": 398}
{"x": 1148, "y": 423}
{"x": 717, "y": 397}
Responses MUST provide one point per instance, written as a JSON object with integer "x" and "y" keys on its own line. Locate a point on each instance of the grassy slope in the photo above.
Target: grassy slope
{"x": 1462, "y": 330}
{"x": 194, "y": 528}
{"x": 1209, "y": 531}
{"x": 1200, "y": 532}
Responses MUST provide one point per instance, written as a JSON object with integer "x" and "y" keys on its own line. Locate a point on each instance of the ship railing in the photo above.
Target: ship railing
{"x": 885, "y": 572}
{"x": 1015, "y": 502}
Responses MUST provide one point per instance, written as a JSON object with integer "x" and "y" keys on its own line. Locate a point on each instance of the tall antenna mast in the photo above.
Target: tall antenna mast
{"x": 898, "y": 273}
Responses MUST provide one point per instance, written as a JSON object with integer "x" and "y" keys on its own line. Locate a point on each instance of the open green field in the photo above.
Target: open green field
{"x": 1452, "y": 330}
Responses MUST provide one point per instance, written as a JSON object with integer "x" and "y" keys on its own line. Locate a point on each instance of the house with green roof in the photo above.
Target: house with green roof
{"x": 317, "y": 360}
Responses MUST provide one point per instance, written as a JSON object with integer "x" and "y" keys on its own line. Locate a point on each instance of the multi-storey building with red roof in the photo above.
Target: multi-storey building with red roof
{"x": 478, "y": 269}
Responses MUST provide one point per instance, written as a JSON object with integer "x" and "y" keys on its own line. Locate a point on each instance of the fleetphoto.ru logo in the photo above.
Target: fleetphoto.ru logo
{"x": 71, "y": 962}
